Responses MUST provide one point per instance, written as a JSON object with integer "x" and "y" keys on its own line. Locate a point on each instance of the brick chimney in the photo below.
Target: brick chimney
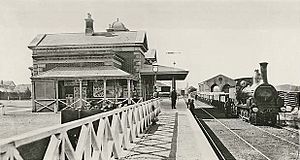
{"x": 89, "y": 29}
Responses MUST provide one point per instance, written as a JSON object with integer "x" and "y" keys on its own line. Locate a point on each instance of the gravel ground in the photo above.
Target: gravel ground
{"x": 288, "y": 135}
{"x": 16, "y": 103}
{"x": 19, "y": 119}
{"x": 272, "y": 147}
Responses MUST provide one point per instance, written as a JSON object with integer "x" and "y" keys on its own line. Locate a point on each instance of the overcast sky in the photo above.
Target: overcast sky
{"x": 227, "y": 37}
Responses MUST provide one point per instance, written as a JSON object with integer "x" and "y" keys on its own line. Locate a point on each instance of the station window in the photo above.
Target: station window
{"x": 44, "y": 90}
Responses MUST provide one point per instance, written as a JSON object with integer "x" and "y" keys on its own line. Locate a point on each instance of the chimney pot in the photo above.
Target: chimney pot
{"x": 89, "y": 29}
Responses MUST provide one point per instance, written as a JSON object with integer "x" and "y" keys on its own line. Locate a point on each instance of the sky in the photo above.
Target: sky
{"x": 213, "y": 37}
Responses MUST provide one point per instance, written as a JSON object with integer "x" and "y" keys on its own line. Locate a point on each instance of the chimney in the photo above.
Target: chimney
{"x": 89, "y": 29}
{"x": 263, "y": 70}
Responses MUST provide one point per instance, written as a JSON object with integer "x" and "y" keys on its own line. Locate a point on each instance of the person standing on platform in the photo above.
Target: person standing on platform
{"x": 173, "y": 98}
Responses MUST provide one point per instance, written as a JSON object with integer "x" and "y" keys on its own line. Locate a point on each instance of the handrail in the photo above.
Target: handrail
{"x": 109, "y": 139}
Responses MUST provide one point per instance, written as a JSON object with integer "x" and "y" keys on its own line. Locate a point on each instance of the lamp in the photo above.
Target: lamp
{"x": 154, "y": 67}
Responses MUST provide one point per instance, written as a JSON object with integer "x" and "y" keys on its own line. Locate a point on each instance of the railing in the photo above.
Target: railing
{"x": 52, "y": 104}
{"x": 102, "y": 136}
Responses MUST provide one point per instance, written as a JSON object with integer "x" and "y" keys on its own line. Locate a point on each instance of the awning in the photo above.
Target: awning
{"x": 164, "y": 72}
{"x": 108, "y": 72}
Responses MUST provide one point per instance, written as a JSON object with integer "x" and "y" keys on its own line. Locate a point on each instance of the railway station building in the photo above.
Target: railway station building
{"x": 219, "y": 83}
{"x": 76, "y": 69}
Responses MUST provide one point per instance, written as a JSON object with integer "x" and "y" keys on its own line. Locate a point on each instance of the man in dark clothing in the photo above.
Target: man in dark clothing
{"x": 173, "y": 98}
{"x": 192, "y": 106}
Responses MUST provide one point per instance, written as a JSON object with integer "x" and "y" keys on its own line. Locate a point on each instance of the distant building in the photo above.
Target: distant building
{"x": 22, "y": 88}
{"x": 10, "y": 91}
{"x": 7, "y": 85}
{"x": 219, "y": 83}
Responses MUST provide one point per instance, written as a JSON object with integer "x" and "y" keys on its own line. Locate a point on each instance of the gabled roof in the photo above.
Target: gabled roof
{"x": 219, "y": 75}
{"x": 85, "y": 72}
{"x": 151, "y": 54}
{"x": 8, "y": 83}
{"x": 98, "y": 38}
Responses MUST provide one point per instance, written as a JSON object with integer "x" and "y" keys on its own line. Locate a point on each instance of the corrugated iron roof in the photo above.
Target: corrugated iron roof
{"x": 165, "y": 72}
{"x": 162, "y": 70}
{"x": 98, "y": 38}
{"x": 84, "y": 72}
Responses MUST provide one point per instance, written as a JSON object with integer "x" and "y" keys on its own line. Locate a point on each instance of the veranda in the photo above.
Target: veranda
{"x": 55, "y": 93}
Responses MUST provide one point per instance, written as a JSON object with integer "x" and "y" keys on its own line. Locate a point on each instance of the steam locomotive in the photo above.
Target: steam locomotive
{"x": 252, "y": 99}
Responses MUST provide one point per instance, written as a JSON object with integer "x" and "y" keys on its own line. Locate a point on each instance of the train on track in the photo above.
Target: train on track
{"x": 252, "y": 99}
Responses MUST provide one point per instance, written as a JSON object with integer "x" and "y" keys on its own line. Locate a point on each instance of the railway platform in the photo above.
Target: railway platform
{"x": 176, "y": 135}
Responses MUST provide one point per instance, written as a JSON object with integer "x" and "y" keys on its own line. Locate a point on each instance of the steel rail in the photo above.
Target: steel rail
{"x": 291, "y": 130}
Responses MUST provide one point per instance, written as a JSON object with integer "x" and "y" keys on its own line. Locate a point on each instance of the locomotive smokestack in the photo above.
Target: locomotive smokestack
{"x": 263, "y": 70}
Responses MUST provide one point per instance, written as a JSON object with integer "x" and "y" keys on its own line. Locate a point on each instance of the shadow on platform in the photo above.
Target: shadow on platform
{"x": 159, "y": 141}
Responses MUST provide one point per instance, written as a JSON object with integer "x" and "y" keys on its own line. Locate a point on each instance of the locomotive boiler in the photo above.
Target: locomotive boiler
{"x": 256, "y": 100}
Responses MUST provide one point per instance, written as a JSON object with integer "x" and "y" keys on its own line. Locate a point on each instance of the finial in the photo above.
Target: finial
{"x": 89, "y": 15}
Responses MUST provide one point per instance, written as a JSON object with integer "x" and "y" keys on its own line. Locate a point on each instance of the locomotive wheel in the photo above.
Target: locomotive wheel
{"x": 273, "y": 119}
{"x": 236, "y": 111}
{"x": 232, "y": 110}
{"x": 226, "y": 108}
{"x": 241, "y": 114}
{"x": 253, "y": 118}
{"x": 247, "y": 115}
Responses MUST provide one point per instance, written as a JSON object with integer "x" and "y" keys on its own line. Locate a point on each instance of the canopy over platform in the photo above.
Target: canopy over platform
{"x": 108, "y": 72}
{"x": 164, "y": 72}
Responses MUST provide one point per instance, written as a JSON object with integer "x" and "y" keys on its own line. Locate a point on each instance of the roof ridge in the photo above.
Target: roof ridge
{"x": 64, "y": 33}
{"x": 94, "y": 32}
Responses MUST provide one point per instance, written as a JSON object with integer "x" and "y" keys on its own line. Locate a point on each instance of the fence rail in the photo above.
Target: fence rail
{"x": 52, "y": 104}
{"x": 102, "y": 136}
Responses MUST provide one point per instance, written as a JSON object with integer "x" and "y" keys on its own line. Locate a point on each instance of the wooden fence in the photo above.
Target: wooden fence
{"x": 55, "y": 105}
{"x": 102, "y": 136}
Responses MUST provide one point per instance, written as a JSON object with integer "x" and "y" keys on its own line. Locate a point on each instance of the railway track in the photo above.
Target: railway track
{"x": 246, "y": 141}
{"x": 289, "y": 129}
